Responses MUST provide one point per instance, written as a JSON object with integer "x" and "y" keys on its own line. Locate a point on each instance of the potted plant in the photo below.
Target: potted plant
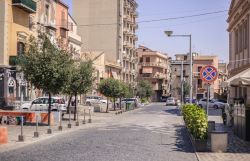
{"x": 196, "y": 121}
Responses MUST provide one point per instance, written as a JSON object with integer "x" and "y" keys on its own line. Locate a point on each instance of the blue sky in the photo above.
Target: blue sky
{"x": 209, "y": 35}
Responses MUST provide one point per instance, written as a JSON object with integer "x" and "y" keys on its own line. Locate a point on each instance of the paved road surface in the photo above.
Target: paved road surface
{"x": 154, "y": 133}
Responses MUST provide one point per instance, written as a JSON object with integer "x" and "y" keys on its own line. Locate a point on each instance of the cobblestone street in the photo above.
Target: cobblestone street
{"x": 153, "y": 133}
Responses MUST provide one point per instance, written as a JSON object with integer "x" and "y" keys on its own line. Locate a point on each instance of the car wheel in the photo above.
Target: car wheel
{"x": 200, "y": 106}
{"x": 216, "y": 106}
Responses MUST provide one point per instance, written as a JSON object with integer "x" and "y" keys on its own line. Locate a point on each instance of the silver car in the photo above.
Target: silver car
{"x": 170, "y": 102}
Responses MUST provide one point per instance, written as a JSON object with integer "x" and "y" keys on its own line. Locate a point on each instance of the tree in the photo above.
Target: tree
{"x": 110, "y": 88}
{"x": 79, "y": 80}
{"x": 144, "y": 89}
{"x": 45, "y": 66}
{"x": 186, "y": 89}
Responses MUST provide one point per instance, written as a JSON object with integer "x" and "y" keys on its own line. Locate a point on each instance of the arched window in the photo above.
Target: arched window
{"x": 20, "y": 48}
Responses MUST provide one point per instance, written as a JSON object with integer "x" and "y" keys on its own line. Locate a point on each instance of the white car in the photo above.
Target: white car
{"x": 42, "y": 104}
{"x": 95, "y": 100}
{"x": 170, "y": 102}
{"x": 213, "y": 103}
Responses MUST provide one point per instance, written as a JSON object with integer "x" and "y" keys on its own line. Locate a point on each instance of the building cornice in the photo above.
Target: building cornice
{"x": 235, "y": 17}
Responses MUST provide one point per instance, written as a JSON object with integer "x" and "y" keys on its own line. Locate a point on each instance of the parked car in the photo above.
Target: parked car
{"x": 95, "y": 99}
{"x": 170, "y": 101}
{"x": 187, "y": 100}
{"x": 164, "y": 98}
{"x": 213, "y": 103}
{"x": 42, "y": 104}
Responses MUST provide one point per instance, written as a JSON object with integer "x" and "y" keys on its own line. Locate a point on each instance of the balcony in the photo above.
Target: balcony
{"x": 64, "y": 24}
{"x": 27, "y": 5}
{"x": 49, "y": 24}
{"x": 153, "y": 64}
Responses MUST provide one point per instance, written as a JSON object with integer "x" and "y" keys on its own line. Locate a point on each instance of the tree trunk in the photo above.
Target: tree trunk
{"x": 49, "y": 109}
{"x": 70, "y": 97}
{"x": 75, "y": 106}
{"x": 107, "y": 105}
{"x": 114, "y": 104}
{"x": 120, "y": 103}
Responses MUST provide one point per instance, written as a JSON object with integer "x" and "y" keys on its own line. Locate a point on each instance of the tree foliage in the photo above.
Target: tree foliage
{"x": 45, "y": 65}
{"x": 144, "y": 89}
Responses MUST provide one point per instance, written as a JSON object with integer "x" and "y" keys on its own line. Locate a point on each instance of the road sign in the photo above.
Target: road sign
{"x": 209, "y": 74}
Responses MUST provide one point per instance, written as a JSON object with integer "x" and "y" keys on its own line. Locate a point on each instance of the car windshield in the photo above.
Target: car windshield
{"x": 170, "y": 99}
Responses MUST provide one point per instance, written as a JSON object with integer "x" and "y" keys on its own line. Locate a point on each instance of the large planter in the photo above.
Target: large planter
{"x": 200, "y": 145}
{"x": 219, "y": 141}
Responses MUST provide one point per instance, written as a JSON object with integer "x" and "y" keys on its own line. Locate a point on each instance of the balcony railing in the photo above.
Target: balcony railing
{"x": 152, "y": 64}
{"x": 27, "y": 5}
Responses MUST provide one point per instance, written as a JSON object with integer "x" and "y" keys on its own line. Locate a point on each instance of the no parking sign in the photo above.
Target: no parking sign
{"x": 209, "y": 74}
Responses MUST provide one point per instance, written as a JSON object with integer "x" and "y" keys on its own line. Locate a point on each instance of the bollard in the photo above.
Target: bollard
{"x": 69, "y": 124}
{"x": 89, "y": 121}
{"x": 77, "y": 118}
{"x": 21, "y": 137}
{"x": 60, "y": 122}
{"x": 84, "y": 114}
{"x": 36, "y": 133}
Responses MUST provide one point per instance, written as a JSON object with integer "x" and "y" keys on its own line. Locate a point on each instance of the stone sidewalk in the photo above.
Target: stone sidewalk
{"x": 28, "y": 130}
{"x": 238, "y": 150}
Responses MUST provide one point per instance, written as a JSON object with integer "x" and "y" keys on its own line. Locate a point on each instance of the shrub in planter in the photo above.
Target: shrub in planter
{"x": 197, "y": 124}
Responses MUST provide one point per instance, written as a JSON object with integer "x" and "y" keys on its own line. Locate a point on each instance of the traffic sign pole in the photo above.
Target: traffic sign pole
{"x": 208, "y": 74}
{"x": 208, "y": 96}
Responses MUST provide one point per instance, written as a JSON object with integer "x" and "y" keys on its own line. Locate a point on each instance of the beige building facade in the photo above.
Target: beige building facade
{"x": 239, "y": 46}
{"x": 154, "y": 67}
{"x": 109, "y": 26}
{"x": 199, "y": 87}
{"x": 15, "y": 28}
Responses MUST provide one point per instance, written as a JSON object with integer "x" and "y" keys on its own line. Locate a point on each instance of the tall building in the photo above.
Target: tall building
{"x": 154, "y": 67}
{"x": 15, "y": 28}
{"x": 239, "y": 49}
{"x": 109, "y": 26}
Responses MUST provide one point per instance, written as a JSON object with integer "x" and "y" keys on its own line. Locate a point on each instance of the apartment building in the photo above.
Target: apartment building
{"x": 222, "y": 77}
{"x": 109, "y": 26}
{"x": 74, "y": 40}
{"x": 239, "y": 54}
{"x": 62, "y": 24}
{"x": 154, "y": 67}
{"x": 180, "y": 67}
{"x": 15, "y": 27}
{"x": 199, "y": 87}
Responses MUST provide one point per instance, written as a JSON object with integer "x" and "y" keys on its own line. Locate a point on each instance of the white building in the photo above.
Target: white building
{"x": 75, "y": 41}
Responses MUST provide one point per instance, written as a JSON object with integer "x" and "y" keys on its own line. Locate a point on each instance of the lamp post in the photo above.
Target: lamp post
{"x": 170, "y": 34}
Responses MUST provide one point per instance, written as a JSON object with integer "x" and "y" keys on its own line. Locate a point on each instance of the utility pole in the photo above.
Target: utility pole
{"x": 191, "y": 69}
{"x": 182, "y": 82}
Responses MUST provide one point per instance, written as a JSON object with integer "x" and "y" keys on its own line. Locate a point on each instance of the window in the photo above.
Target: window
{"x": 46, "y": 13}
{"x": 141, "y": 59}
{"x": 140, "y": 71}
{"x": 20, "y": 48}
{"x": 184, "y": 73}
{"x": 199, "y": 83}
{"x": 199, "y": 68}
{"x": 147, "y": 59}
{"x": 63, "y": 33}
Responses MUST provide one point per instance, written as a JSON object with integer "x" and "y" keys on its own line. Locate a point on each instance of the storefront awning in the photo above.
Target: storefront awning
{"x": 240, "y": 79}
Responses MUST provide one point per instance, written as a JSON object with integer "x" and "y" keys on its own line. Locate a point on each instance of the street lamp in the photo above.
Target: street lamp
{"x": 170, "y": 34}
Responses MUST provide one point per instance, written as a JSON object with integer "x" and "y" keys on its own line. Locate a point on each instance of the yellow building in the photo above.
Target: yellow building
{"x": 16, "y": 24}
